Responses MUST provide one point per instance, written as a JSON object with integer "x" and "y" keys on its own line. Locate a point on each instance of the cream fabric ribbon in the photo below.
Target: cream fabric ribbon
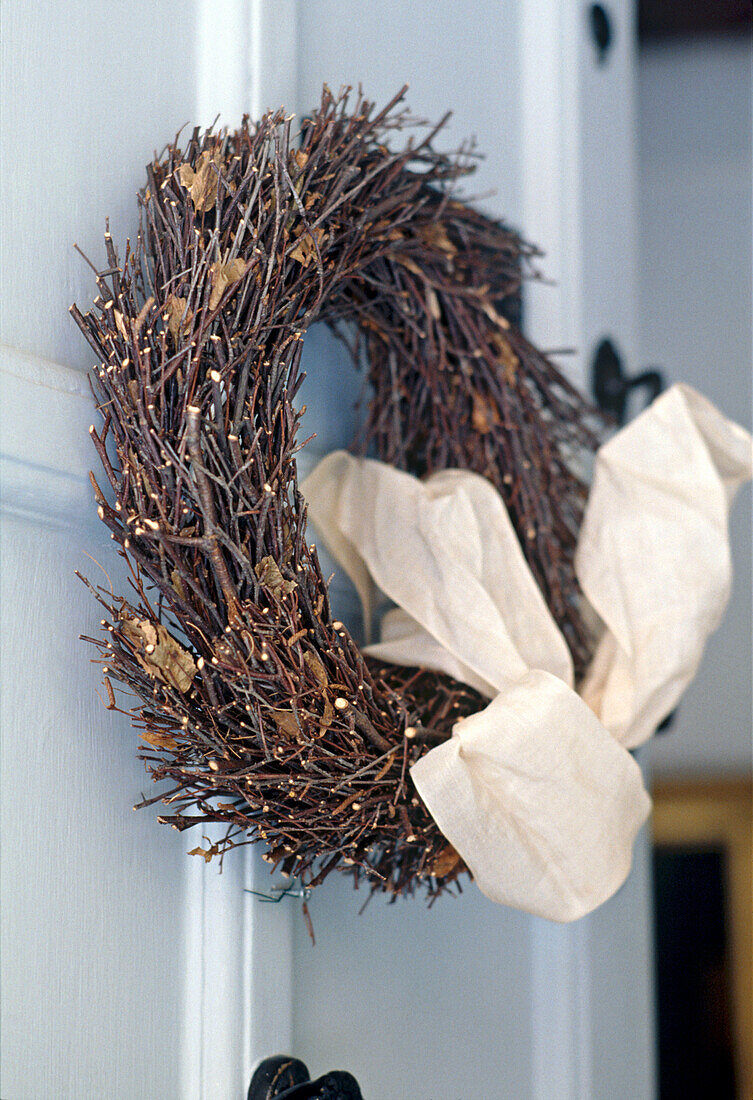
{"x": 537, "y": 792}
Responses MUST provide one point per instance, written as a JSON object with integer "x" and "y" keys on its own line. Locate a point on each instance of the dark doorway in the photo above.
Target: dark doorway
{"x": 694, "y": 978}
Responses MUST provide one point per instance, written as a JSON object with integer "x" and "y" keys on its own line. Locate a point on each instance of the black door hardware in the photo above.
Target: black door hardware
{"x": 611, "y": 387}
{"x": 601, "y": 31}
{"x": 285, "y": 1078}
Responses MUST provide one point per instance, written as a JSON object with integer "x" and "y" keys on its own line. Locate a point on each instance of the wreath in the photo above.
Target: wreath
{"x": 254, "y": 704}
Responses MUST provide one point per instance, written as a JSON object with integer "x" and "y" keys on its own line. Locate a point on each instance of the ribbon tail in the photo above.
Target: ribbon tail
{"x": 653, "y": 555}
{"x": 538, "y": 798}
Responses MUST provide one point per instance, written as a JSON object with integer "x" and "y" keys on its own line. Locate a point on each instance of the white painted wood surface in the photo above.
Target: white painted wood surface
{"x": 129, "y": 970}
{"x": 92, "y": 895}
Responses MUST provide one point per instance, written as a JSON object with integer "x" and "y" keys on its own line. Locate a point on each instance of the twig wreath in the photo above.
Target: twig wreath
{"x": 265, "y": 715}
{"x": 256, "y": 706}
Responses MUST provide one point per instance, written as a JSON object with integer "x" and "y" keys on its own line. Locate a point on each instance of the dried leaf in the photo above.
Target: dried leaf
{"x": 270, "y": 576}
{"x": 225, "y": 652}
{"x": 178, "y": 585}
{"x": 143, "y": 313}
{"x": 206, "y": 853}
{"x": 304, "y": 251}
{"x": 301, "y": 158}
{"x": 386, "y": 766}
{"x": 288, "y": 544}
{"x": 202, "y": 183}
{"x": 507, "y": 356}
{"x": 485, "y": 414}
{"x": 159, "y": 740}
{"x": 320, "y": 675}
{"x": 158, "y": 653}
{"x": 446, "y": 862}
{"x": 317, "y": 668}
{"x": 286, "y": 723}
{"x": 435, "y": 236}
{"x": 176, "y": 308}
{"x": 224, "y": 276}
{"x": 99, "y": 496}
{"x": 346, "y": 802}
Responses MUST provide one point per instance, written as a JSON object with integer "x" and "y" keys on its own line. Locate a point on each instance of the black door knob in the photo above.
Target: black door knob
{"x": 285, "y": 1078}
{"x": 277, "y": 1075}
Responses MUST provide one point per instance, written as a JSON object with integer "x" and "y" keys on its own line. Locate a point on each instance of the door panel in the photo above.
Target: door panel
{"x": 92, "y": 894}
{"x": 417, "y": 1003}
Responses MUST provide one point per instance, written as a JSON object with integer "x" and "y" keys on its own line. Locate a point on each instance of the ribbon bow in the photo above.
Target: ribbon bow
{"x": 538, "y": 792}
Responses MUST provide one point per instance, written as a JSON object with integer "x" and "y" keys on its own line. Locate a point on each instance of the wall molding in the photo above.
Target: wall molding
{"x": 552, "y": 171}
{"x": 45, "y": 453}
{"x": 551, "y": 167}
{"x": 238, "y": 1005}
{"x": 239, "y": 948}
{"x": 273, "y": 75}
{"x": 576, "y": 159}
{"x": 246, "y": 59}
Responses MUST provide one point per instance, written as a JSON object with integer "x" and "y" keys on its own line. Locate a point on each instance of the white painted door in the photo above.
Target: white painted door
{"x": 468, "y": 999}
{"x": 129, "y": 970}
